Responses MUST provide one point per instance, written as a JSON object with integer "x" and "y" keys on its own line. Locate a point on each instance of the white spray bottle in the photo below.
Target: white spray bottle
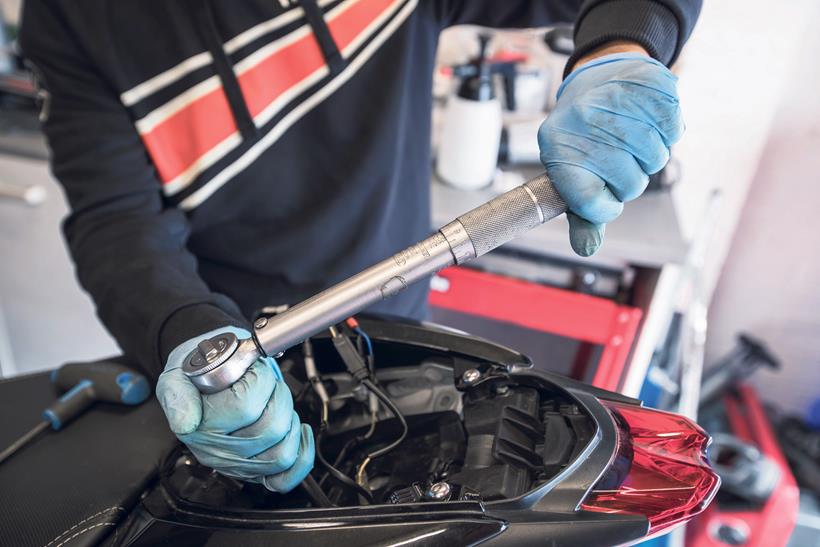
{"x": 471, "y": 127}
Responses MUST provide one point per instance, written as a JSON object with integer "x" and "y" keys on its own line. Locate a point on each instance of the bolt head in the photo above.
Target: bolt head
{"x": 471, "y": 376}
{"x": 438, "y": 491}
{"x": 209, "y": 354}
{"x": 210, "y": 350}
{"x": 260, "y": 323}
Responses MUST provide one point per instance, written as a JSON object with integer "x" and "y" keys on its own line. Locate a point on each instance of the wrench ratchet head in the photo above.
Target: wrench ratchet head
{"x": 217, "y": 362}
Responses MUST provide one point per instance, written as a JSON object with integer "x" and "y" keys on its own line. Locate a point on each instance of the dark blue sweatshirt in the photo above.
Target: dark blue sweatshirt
{"x": 219, "y": 156}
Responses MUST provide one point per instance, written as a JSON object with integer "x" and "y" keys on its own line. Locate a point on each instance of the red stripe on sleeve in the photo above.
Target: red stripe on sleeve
{"x": 348, "y": 26}
{"x": 265, "y": 82}
{"x": 189, "y": 133}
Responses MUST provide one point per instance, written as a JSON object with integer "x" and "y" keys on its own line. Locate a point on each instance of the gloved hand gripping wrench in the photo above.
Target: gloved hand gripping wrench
{"x": 219, "y": 362}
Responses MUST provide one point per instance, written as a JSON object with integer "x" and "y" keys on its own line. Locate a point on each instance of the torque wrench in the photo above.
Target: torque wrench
{"x": 219, "y": 362}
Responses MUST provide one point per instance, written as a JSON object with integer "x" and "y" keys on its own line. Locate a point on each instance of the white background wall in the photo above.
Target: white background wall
{"x": 736, "y": 69}
{"x": 45, "y": 319}
{"x": 10, "y": 10}
{"x": 770, "y": 285}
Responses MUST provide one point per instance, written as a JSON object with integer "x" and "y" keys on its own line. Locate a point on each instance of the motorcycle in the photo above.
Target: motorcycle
{"x": 493, "y": 450}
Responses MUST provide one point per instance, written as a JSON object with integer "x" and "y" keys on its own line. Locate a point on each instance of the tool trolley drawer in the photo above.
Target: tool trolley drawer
{"x": 580, "y": 335}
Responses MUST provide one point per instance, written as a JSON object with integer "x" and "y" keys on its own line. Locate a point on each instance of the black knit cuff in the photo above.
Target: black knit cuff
{"x": 646, "y": 22}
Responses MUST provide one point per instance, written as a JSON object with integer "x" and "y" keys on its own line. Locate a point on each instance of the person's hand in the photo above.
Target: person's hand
{"x": 615, "y": 118}
{"x": 248, "y": 431}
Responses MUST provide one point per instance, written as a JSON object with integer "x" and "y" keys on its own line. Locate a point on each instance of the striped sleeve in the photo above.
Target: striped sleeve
{"x": 129, "y": 249}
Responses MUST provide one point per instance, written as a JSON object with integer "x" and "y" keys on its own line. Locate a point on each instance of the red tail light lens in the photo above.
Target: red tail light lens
{"x": 660, "y": 470}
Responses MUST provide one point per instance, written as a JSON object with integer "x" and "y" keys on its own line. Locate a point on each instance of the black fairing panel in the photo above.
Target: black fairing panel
{"x": 587, "y": 530}
{"x": 582, "y": 530}
{"x": 547, "y": 514}
{"x": 444, "y": 533}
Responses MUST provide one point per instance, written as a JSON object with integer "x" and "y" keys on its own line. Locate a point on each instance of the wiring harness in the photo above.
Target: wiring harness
{"x": 359, "y": 364}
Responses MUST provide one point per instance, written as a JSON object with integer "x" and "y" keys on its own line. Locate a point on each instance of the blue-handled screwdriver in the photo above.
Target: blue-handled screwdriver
{"x": 83, "y": 384}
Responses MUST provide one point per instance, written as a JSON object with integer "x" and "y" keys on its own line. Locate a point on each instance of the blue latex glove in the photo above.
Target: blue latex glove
{"x": 248, "y": 431}
{"x": 611, "y": 128}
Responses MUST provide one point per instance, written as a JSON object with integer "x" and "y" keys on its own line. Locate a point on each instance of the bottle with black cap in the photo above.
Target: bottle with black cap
{"x": 471, "y": 128}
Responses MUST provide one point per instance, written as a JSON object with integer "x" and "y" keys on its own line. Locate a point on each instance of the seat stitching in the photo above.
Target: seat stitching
{"x": 61, "y": 534}
{"x": 84, "y": 530}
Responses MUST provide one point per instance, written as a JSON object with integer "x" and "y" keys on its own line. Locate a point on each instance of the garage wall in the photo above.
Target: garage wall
{"x": 45, "y": 318}
{"x": 10, "y": 10}
{"x": 770, "y": 286}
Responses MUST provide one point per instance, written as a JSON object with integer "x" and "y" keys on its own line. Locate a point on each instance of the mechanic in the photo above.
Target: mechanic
{"x": 222, "y": 156}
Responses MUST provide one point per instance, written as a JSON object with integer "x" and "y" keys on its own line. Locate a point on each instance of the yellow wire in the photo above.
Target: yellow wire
{"x": 360, "y": 472}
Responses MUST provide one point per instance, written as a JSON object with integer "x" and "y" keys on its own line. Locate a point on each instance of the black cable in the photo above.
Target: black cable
{"x": 338, "y": 475}
{"x": 382, "y": 396}
{"x": 357, "y": 367}
{"x": 343, "y": 452}
{"x": 346, "y": 448}
{"x": 362, "y": 337}
{"x": 339, "y": 458}
{"x": 350, "y": 444}
{"x": 315, "y": 493}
